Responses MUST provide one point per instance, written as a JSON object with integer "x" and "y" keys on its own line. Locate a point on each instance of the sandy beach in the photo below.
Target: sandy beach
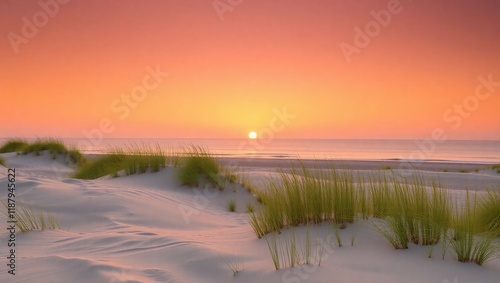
{"x": 149, "y": 228}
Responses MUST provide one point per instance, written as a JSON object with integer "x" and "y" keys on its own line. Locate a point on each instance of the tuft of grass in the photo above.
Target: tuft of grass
{"x": 13, "y": 145}
{"x": 488, "y": 215}
{"x": 496, "y": 166}
{"x": 2, "y": 161}
{"x": 336, "y": 232}
{"x": 76, "y": 157}
{"x": 134, "y": 159}
{"x": 463, "y": 171}
{"x": 29, "y": 218}
{"x": 290, "y": 251}
{"x": 234, "y": 266}
{"x": 231, "y": 205}
{"x": 468, "y": 242}
{"x": 379, "y": 196}
{"x": 54, "y": 146}
{"x": 197, "y": 162}
{"x": 387, "y": 168}
{"x": 250, "y": 208}
{"x": 416, "y": 214}
{"x": 307, "y": 196}
{"x": 274, "y": 250}
{"x": 101, "y": 166}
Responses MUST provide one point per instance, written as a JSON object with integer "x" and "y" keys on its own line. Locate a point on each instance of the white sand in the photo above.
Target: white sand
{"x": 147, "y": 228}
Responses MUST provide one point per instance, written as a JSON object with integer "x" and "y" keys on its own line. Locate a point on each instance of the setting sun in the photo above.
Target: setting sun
{"x": 252, "y": 135}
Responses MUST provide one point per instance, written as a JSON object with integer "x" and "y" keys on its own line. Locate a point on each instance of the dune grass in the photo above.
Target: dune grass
{"x": 409, "y": 211}
{"x": 234, "y": 266}
{"x": 231, "y": 205}
{"x": 197, "y": 163}
{"x": 488, "y": 215}
{"x": 288, "y": 250}
{"x": 305, "y": 196}
{"x": 13, "y": 145}
{"x": 469, "y": 242}
{"x": 496, "y": 167}
{"x": 54, "y": 146}
{"x": 2, "y": 161}
{"x": 76, "y": 157}
{"x": 415, "y": 214}
{"x": 29, "y": 218}
{"x": 250, "y": 208}
{"x": 132, "y": 159}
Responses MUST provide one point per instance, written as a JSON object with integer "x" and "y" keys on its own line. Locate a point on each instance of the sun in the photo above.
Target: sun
{"x": 252, "y": 135}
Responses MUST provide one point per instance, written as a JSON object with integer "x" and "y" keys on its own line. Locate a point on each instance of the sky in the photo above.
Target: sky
{"x": 220, "y": 69}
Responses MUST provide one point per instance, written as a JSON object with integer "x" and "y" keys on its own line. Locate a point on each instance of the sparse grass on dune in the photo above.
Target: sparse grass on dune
{"x": 231, "y": 205}
{"x": 76, "y": 157}
{"x": 54, "y": 146}
{"x": 196, "y": 163}
{"x": 496, "y": 167}
{"x": 13, "y": 145}
{"x": 29, "y": 218}
{"x": 131, "y": 160}
{"x": 289, "y": 250}
{"x": 101, "y": 166}
{"x": 2, "y": 161}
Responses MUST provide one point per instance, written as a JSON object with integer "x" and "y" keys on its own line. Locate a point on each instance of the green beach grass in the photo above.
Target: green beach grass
{"x": 132, "y": 159}
{"x": 409, "y": 210}
{"x": 54, "y": 146}
{"x": 2, "y": 161}
{"x": 469, "y": 242}
{"x": 305, "y": 196}
{"x": 415, "y": 214}
{"x": 488, "y": 215}
{"x": 198, "y": 164}
{"x": 29, "y": 218}
{"x": 13, "y": 145}
{"x": 231, "y": 205}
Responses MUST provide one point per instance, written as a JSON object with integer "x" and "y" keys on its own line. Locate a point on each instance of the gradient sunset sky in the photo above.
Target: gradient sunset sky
{"x": 232, "y": 66}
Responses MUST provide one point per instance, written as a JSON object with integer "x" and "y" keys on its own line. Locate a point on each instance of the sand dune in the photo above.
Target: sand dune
{"x": 148, "y": 228}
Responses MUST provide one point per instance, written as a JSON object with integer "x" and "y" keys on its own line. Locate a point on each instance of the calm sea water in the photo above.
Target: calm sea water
{"x": 453, "y": 150}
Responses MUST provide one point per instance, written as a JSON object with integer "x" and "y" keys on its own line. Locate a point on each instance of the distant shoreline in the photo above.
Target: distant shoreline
{"x": 351, "y": 164}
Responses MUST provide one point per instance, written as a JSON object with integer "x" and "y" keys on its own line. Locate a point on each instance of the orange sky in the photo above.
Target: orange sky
{"x": 228, "y": 69}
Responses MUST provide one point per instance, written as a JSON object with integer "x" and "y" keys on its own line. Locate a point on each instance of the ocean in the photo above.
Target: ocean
{"x": 347, "y": 149}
